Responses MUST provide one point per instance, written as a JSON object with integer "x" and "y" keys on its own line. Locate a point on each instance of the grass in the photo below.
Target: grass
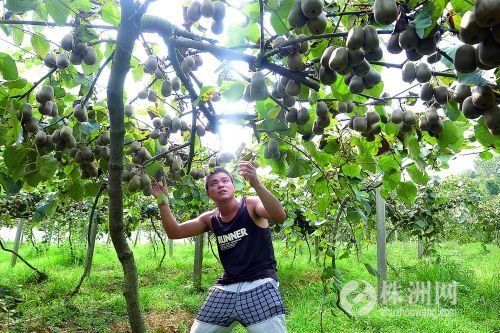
{"x": 169, "y": 301}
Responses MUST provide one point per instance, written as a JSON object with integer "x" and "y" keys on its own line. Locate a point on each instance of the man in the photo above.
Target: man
{"x": 247, "y": 291}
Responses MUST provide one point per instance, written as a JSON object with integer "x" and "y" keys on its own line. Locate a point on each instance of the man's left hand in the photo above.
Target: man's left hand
{"x": 248, "y": 171}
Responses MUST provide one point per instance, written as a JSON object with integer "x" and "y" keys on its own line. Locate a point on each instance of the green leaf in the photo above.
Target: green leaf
{"x": 371, "y": 270}
{"x": 351, "y": 169}
{"x": 423, "y": 19}
{"x": 232, "y": 90}
{"x": 486, "y": 155}
{"x": 416, "y": 175}
{"x": 21, "y": 5}
{"x": 46, "y": 166}
{"x": 59, "y": 12}
{"x": 76, "y": 191}
{"x": 450, "y": 136}
{"x": 81, "y": 5}
{"x": 90, "y": 127}
{"x": 278, "y": 24}
{"x": 17, "y": 34}
{"x": 484, "y": 136}
{"x": 40, "y": 45}
{"x": 14, "y": 157}
{"x": 252, "y": 32}
{"x": 462, "y": 6}
{"x": 8, "y": 67}
{"x": 407, "y": 191}
{"x": 9, "y": 185}
{"x": 297, "y": 166}
{"x": 110, "y": 13}
{"x": 413, "y": 147}
{"x": 451, "y": 110}
{"x": 332, "y": 147}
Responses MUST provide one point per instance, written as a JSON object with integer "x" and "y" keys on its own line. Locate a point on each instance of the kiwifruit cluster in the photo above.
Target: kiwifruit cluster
{"x": 353, "y": 60}
{"x": 479, "y": 26}
{"x": 414, "y": 47}
{"x": 225, "y": 157}
{"x": 47, "y": 106}
{"x": 323, "y": 118}
{"x": 63, "y": 138}
{"x": 405, "y": 119}
{"x": 215, "y": 10}
{"x": 385, "y": 11}
{"x": 367, "y": 124}
{"x": 257, "y": 89}
{"x": 85, "y": 157}
{"x": 271, "y": 150}
{"x": 213, "y": 162}
{"x": 479, "y": 101}
{"x": 431, "y": 122}
{"x": 198, "y": 173}
{"x": 310, "y": 13}
{"x": 302, "y": 47}
{"x": 129, "y": 110}
{"x": 297, "y": 116}
{"x": 137, "y": 180}
{"x": 283, "y": 87}
{"x": 102, "y": 146}
{"x": 52, "y": 60}
{"x": 25, "y": 115}
{"x": 79, "y": 52}
{"x": 167, "y": 123}
{"x": 139, "y": 153}
{"x": 421, "y": 72}
{"x": 175, "y": 164}
{"x": 441, "y": 94}
{"x": 191, "y": 63}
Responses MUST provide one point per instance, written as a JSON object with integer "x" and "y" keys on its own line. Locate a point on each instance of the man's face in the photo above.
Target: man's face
{"x": 220, "y": 187}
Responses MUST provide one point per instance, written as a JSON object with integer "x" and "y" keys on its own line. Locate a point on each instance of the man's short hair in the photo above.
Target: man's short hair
{"x": 217, "y": 170}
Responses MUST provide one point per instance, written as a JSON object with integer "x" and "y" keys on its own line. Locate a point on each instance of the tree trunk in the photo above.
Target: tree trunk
{"x": 198, "y": 261}
{"x": 316, "y": 248}
{"x": 381, "y": 242}
{"x": 128, "y": 32}
{"x": 17, "y": 241}
{"x": 170, "y": 248}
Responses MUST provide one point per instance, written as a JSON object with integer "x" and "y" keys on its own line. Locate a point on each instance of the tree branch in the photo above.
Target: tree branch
{"x": 42, "y": 275}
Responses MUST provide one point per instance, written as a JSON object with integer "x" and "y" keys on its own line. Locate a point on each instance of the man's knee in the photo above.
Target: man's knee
{"x": 201, "y": 327}
{"x": 275, "y": 324}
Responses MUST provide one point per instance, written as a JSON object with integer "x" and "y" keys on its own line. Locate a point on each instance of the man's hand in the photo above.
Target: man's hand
{"x": 159, "y": 189}
{"x": 248, "y": 171}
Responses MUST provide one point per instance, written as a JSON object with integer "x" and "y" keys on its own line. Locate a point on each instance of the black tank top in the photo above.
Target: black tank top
{"x": 245, "y": 249}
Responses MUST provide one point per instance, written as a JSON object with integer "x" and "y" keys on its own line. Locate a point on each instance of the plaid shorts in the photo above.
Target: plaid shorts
{"x": 223, "y": 307}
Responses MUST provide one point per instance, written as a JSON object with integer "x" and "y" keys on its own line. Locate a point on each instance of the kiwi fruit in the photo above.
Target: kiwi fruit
{"x": 372, "y": 78}
{"x": 200, "y": 130}
{"x": 45, "y": 94}
{"x": 326, "y": 75}
{"x": 362, "y": 69}
{"x": 45, "y": 108}
{"x": 207, "y": 8}
{"x": 491, "y": 118}
{"x": 322, "y": 109}
{"x": 166, "y": 88}
{"x": 423, "y": 72}
{"x": 483, "y": 97}
{"x": 325, "y": 57}
{"x": 276, "y": 92}
{"x": 295, "y": 62}
{"x": 134, "y": 184}
{"x": 488, "y": 51}
{"x": 462, "y": 91}
{"x": 219, "y": 11}
{"x": 296, "y": 18}
{"x": 317, "y": 25}
{"x": 49, "y": 60}
{"x": 152, "y": 96}
{"x": 412, "y": 55}
{"x": 426, "y": 46}
{"x": 151, "y": 64}
{"x": 90, "y": 56}
{"x": 442, "y": 95}
{"x": 426, "y": 92}
{"x": 487, "y": 12}
{"x": 433, "y": 58}
{"x": 176, "y": 84}
{"x": 470, "y": 32}
{"x": 393, "y": 46}
{"x": 480, "y": 64}
{"x": 360, "y": 124}
{"x": 397, "y": 116}
{"x": 437, "y": 127}
{"x": 431, "y": 115}
{"x": 370, "y": 41}
{"x": 217, "y": 27}
{"x": 79, "y": 47}
{"x": 465, "y": 59}
{"x": 372, "y": 117}
{"x": 292, "y": 88}
{"x": 62, "y": 61}
{"x": 409, "y": 118}
{"x": 409, "y": 72}
{"x": 408, "y": 39}
{"x": 163, "y": 139}
{"x": 176, "y": 125}
{"x": 356, "y": 86}
{"x": 469, "y": 110}
{"x": 375, "y": 54}
{"x": 26, "y": 112}
{"x": 423, "y": 124}
{"x": 289, "y": 101}
{"x": 303, "y": 116}
{"x": 339, "y": 59}
{"x": 355, "y": 38}
{"x": 67, "y": 42}
{"x": 291, "y": 115}
{"x": 80, "y": 113}
{"x": 194, "y": 11}
{"x": 40, "y": 138}
{"x": 385, "y": 11}
{"x": 348, "y": 77}
{"x": 311, "y": 8}
{"x": 355, "y": 57}
{"x": 184, "y": 126}
{"x": 76, "y": 58}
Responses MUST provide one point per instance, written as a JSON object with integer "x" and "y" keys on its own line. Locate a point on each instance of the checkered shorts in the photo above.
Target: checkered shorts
{"x": 223, "y": 307}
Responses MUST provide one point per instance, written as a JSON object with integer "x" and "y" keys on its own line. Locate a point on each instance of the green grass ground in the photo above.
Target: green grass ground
{"x": 170, "y": 302}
